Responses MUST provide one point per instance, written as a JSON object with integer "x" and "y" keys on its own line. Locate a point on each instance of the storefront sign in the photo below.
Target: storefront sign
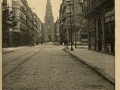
{"x": 109, "y": 16}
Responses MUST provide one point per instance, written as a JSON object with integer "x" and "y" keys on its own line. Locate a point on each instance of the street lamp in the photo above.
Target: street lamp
{"x": 70, "y": 3}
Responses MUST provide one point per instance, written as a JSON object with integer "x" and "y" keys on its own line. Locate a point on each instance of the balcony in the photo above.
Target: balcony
{"x": 94, "y": 4}
{"x": 23, "y": 9}
{"x": 23, "y": 20}
{"x": 64, "y": 18}
{"x": 23, "y": 30}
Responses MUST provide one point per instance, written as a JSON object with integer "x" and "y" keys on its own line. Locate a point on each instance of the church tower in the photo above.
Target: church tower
{"x": 49, "y": 33}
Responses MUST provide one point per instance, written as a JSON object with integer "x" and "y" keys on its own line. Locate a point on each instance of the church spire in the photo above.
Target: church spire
{"x": 48, "y": 3}
{"x": 49, "y": 24}
{"x": 49, "y": 9}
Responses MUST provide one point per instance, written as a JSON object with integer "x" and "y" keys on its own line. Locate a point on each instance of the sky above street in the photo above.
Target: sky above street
{"x": 39, "y": 7}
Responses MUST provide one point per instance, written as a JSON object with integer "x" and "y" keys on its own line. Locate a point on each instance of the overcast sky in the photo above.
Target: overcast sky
{"x": 40, "y": 7}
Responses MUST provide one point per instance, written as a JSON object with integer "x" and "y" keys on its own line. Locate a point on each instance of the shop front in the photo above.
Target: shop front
{"x": 91, "y": 34}
{"x": 109, "y": 31}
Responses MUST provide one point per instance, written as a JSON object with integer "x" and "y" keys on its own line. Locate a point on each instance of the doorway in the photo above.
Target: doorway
{"x": 99, "y": 35}
{"x": 49, "y": 38}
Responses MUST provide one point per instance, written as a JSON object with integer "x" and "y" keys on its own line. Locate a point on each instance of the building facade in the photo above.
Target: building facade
{"x": 5, "y": 27}
{"x": 35, "y": 27}
{"x": 71, "y": 16}
{"x": 39, "y": 31}
{"x": 64, "y": 16}
{"x": 49, "y": 33}
{"x": 57, "y": 30}
{"x": 42, "y": 34}
{"x": 100, "y": 15}
{"x": 79, "y": 23}
{"x": 29, "y": 24}
{"x": 62, "y": 24}
{"x": 28, "y": 29}
{"x": 18, "y": 35}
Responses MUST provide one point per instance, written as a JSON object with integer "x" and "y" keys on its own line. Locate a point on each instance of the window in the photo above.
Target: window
{"x": 89, "y": 2}
{"x": 68, "y": 9}
{"x": 85, "y": 3}
{"x": 82, "y": 9}
{"x": 84, "y": 36}
{"x": 81, "y": 1}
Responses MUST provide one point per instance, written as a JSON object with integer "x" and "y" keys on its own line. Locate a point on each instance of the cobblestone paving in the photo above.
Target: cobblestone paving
{"x": 21, "y": 51}
{"x": 54, "y": 69}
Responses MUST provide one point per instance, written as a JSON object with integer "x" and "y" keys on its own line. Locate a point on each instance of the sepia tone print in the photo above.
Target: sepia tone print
{"x": 58, "y": 45}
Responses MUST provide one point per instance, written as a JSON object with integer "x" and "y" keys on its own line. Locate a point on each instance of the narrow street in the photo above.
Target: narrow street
{"x": 48, "y": 67}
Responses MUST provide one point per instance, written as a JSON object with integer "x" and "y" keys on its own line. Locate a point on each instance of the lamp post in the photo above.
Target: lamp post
{"x": 75, "y": 38}
{"x": 75, "y": 31}
{"x": 70, "y": 3}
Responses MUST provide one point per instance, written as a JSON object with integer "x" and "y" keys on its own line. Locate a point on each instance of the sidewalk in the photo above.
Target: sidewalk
{"x": 101, "y": 63}
{"x": 12, "y": 49}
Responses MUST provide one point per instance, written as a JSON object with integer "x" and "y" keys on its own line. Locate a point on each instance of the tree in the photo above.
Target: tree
{"x": 8, "y": 18}
{"x": 79, "y": 25}
{"x": 8, "y": 21}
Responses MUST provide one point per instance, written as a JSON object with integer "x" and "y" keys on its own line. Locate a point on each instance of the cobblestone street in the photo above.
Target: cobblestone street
{"x": 48, "y": 67}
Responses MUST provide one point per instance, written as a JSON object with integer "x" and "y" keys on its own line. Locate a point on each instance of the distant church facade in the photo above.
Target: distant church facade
{"x": 49, "y": 32}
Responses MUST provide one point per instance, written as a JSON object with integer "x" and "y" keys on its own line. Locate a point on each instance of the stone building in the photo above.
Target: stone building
{"x": 80, "y": 33}
{"x": 49, "y": 33}
{"x": 35, "y": 24}
{"x": 5, "y": 27}
{"x": 62, "y": 34}
{"x": 28, "y": 28}
{"x": 36, "y": 29}
{"x": 20, "y": 31}
{"x": 39, "y": 31}
{"x": 57, "y": 30}
{"x": 100, "y": 15}
{"x": 19, "y": 35}
{"x": 42, "y": 34}
{"x": 72, "y": 10}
